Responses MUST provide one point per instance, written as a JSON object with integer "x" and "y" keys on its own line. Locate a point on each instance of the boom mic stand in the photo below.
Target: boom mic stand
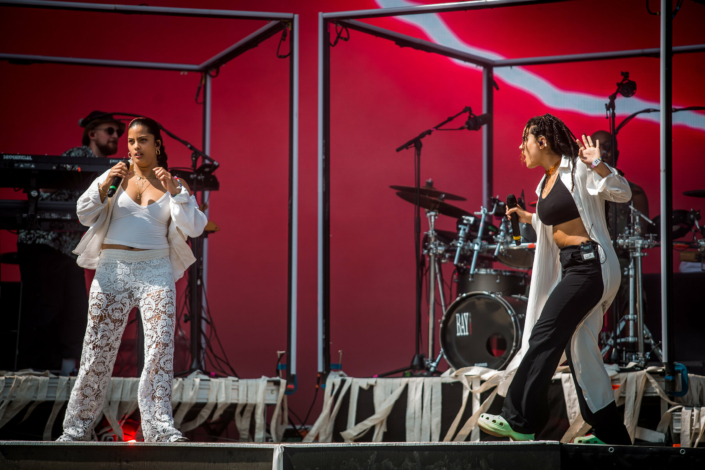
{"x": 626, "y": 88}
{"x": 419, "y": 361}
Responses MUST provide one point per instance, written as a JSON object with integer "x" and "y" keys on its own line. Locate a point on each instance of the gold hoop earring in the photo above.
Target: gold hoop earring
{"x": 158, "y": 152}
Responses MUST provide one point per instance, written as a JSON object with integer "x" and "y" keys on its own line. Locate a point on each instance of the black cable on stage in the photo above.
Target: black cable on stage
{"x": 315, "y": 395}
{"x": 281, "y": 40}
{"x": 215, "y": 331}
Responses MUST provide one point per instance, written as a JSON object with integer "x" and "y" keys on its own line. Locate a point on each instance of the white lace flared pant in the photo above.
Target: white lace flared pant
{"x": 124, "y": 280}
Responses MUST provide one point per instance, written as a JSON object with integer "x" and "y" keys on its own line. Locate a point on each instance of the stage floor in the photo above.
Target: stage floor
{"x": 543, "y": 455}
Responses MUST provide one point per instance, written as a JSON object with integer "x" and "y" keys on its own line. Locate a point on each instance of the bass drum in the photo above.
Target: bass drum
{"x": 483, "y": 329}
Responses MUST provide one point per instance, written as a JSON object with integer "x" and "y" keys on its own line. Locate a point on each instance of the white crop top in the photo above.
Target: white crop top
{"x": 137, "y": 226}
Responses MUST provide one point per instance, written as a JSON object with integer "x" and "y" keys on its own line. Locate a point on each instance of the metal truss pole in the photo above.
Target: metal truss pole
{"x": 667, "y": 192}
{"x": 293, "y": 205}
{"x": 487, "y": 135}
{"x": 323, "y": 196}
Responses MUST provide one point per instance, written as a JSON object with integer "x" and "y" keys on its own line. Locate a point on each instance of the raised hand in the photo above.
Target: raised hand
{"x": 588, "y": 151}
{"x": 167, "y": 180}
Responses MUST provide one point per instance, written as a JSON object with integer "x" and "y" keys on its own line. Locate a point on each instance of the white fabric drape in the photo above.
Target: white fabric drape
{"x": 27, "y": 391}
{"x": 424, "y": 405}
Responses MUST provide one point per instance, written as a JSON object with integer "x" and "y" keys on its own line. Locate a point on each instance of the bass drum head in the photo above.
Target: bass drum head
{"x": 482, "y": 329}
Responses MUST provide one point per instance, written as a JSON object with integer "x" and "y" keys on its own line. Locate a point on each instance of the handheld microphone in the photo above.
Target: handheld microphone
{"x": 117, "y": 181}
{"x": 516, "y": 233}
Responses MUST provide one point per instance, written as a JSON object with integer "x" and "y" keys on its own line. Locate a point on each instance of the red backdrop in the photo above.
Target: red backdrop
{"x": 381, "y": 96}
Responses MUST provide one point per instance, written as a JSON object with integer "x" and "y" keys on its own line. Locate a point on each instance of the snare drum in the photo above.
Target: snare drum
{"x": 491, "y": 280}
{"x": 483, "y": 329}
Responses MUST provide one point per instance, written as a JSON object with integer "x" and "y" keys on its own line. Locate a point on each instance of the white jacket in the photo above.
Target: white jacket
{"x": 591, "y": 191}
{"x": 186, "y": 221}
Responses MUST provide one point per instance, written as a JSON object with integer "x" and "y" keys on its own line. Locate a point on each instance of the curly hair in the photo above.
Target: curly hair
{"x": 153, "y": 128}
{"x": 560, "y": 139}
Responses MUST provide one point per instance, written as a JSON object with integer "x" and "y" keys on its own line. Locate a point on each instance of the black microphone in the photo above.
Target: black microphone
{"x": 516, "y": 233}
{"x": 474, "y": 123}
{"x": 117, "y": 181}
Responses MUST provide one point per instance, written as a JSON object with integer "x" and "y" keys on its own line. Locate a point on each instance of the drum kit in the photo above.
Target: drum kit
{"x": 483, "y": 326}
{"x": 626, "y": 343}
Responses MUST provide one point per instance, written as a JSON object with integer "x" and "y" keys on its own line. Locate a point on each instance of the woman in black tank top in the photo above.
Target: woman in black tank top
{"x": 548, "y": 143}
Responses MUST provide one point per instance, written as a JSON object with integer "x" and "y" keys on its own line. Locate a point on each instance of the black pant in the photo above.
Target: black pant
{"x": 54, "y": 307}
{"x": 579, "y": 290}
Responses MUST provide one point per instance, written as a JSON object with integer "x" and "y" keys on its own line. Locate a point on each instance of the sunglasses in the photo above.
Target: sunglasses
{"x": 110, "y": 131}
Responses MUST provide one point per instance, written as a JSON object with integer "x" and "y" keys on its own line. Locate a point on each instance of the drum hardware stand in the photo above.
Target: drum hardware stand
{"x": 500, "y": 238}
{"x": 433, "y": 272}
{"x": 435, "y": 276}
{"x": 638, "y": 332}
{"x": 464, "y": 226}
{"x": 477, "y": 245}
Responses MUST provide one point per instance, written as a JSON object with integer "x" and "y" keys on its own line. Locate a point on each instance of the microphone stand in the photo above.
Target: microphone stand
{"x": 418, "y": 362}
{"x": 610, "y": 108}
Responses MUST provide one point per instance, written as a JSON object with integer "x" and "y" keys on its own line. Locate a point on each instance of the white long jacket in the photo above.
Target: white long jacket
{"x": 186, "y": 221}
{"x": 590, "y": 193}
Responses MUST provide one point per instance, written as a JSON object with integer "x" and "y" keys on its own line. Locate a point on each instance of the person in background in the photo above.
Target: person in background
{"x": 54, "y": 298}
{"x": 639, "y": 199}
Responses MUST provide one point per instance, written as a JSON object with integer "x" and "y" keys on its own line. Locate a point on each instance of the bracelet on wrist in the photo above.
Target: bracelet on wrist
{"x": 179, "y": 189}
{"x": 596, "y": 162}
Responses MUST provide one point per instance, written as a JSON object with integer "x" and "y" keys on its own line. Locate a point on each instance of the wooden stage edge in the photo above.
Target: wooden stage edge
{"x": 544, "y": 455}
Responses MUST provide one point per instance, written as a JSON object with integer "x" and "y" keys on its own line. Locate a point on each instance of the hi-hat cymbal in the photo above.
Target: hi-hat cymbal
{"x": 434, "y": 205}
{"x": 430, "y": 192}
{"x": 695, "y": 193}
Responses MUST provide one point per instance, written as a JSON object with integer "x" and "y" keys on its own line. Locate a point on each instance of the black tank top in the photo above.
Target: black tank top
{"x": 558, "y": 207}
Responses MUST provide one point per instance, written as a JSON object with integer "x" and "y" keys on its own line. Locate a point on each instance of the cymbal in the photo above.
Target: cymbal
{"x": 429, "y": 191}
{"x": 695, "y": 193}
{"x": 434, "y": 205}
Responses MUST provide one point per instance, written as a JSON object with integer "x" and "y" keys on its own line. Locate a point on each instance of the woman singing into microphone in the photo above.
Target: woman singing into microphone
{"x": 137, "y": 245}
{"x": 575, "y": 278}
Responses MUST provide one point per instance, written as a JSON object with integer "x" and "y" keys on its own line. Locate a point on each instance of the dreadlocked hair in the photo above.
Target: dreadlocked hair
{"x": 153, "y": 128}
{"x": 559, "y": 138}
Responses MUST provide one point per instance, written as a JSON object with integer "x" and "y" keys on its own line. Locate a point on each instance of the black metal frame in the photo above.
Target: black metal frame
{"x": 276, "y": 23}
{"x": 349, "y": 19}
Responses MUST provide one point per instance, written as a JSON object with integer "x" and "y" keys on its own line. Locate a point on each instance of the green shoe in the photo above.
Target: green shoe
{"x": 589, "y": 439}
{"x": 497, "y": 426}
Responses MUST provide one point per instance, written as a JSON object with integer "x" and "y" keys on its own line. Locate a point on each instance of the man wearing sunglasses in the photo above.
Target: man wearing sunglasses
{"x": 54, "y": 297}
